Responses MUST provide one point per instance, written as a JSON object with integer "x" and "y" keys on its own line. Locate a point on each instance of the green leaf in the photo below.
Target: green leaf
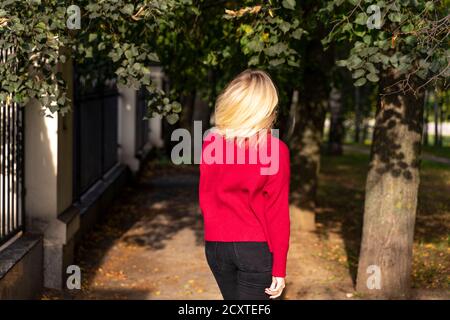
{"x": 254, "y": 61}
{"x": 341, "y": 63}
{"x": 92, "y": 37}
{"x": 128, "y": 9}
{"x": 120, "y": 71}
{"x": 289, "y": 4}
{"x": 395, "y": 16}
{"x": 293, "y": 63}
{"x": 408, "y": 27}
{"x": 255, "y": 45}
{"x": 276, "y": 49}
{"x": 153, "y": 57}
{"x": 370, "y": 67}
{"x": 384, "y": 59}
{"x": 367, "y": 39}
{"x": 422, "y": 74}
{"x": 360, "y": 82}
{"x": 137, "y": 66}
{"x": 247, "y": 28}
{"x": 88, "y": 53}
{"x": 361, "y": 18}
{"x": 277, "y": 62}
{"x": 297, "y": 34}
{"x": 347, "y": 27}
{"x": 285, "y": 26}
{"x": 410, "y": 40}
{"x": 429, "y": 6}
{"x": 358, "y": 73}
{"x": 40, "y": 25}
{"x": 172, "y": 118}
{"x": 196, "y": 11}
{"x": 372, "y": 77}
{"x": 354, "y": 62}
{"x": 128, "y": 54}
{"x": 176, "y": 107}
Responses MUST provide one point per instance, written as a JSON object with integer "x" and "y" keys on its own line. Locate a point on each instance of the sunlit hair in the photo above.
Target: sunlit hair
{"x": 247, "y": 107}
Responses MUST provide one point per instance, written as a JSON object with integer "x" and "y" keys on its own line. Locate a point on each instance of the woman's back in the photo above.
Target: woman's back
{"x": 243, "y": 193}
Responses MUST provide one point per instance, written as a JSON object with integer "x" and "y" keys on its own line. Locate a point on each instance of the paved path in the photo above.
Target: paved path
{"x": 151, "y": 247}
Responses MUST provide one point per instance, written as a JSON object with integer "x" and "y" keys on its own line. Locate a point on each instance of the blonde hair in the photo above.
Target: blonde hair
{"x": 246, "y": 108}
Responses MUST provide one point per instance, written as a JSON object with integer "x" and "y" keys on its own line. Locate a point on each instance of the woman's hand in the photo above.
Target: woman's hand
{"x": 276, "y": 288}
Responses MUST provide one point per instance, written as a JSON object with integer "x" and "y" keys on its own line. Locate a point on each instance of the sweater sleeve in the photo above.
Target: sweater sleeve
{"x": 277, "y": 211}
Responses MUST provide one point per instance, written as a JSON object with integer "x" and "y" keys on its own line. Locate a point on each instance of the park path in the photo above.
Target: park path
{"x": 151, "y": 247}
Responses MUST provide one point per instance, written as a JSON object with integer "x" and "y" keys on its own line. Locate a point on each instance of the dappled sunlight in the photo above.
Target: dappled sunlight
{"x": 341, "y": 207}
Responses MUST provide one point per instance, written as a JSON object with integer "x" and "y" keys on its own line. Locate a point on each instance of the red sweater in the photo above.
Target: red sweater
{"x": 239, "y": 202}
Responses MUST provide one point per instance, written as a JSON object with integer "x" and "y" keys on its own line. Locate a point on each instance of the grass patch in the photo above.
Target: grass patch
{"x": 341, "y": 207}
{"x": 443, "y": 152}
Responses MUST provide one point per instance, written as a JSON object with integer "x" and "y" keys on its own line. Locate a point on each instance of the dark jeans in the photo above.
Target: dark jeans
{"x": 242, "y": 269}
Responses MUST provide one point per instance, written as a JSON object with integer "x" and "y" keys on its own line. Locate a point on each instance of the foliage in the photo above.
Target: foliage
{"x": 195, "y": 48}
{"x": 119, "y": 32}
{"x": 33, "y": 32}
{"x": 223, "y": 39}
{"x": 114, "y": 32}
{"x": 270, "y": 35}
{"x": 412, "y": 39}
{"x": 267, "y": 32}
{"x": 195, "y": 40}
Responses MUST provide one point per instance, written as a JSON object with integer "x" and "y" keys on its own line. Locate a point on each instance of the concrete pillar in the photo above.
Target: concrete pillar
{"x": 48, "y": 185}
{"x": 127, "y": 125}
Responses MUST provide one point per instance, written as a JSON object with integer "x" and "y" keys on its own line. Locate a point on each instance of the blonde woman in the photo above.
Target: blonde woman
{"x": 244, "y": 190}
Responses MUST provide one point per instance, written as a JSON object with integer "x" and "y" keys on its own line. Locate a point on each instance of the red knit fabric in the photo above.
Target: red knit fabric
{"x": 239, "y": 203}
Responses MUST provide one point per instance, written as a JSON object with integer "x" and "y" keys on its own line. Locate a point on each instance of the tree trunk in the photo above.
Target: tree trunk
{"x": 391, "y": 194}
{"x": 284, "y": 117}
{"x": 312, "y": 107}
{"x": 188, "y": 103}
{"x": 425, "y": 120}
{"x": 436, "y": 119}
{"x": 336, "y": 126}
{"x": 441, "y": 120}
{"x": 358, "y": 117}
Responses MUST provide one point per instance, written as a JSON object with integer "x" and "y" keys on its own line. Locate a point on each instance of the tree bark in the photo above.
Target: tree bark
{"x": 425, "y": 120}
{"x": 336, "y": 126}
{"x": 436, "y": 119}
{"x": 312, "y": 107}
{"x": 391, "y": 194}
{"x": 188, "y": 103}
{"x": 357, "y": 115}
{"x": 284, "y": 117}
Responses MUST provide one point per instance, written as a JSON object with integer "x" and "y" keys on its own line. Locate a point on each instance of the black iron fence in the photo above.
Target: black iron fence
{"x": 11, "y": 166}
{"x": 95, "y": 133}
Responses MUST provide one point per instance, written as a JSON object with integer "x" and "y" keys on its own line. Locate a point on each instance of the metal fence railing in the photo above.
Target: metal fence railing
{"x": 11, "y": 165}
{"x": 95, "y": 134}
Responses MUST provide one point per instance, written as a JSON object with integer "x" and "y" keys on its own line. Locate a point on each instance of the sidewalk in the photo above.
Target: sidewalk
{"x": 150, "y": 246}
